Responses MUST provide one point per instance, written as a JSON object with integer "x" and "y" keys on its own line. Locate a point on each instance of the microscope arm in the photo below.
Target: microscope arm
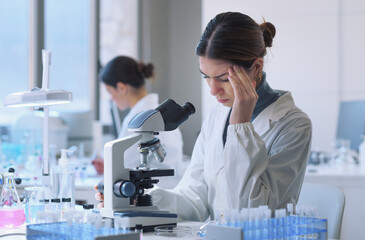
{"x": 114, "y": 170}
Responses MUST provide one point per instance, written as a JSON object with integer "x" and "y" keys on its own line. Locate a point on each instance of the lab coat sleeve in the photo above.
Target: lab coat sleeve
{"x": 190, "y": 197}
{"x": 260, "y": 176}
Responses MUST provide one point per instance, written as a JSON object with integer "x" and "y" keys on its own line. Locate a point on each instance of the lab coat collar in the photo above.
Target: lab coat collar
{"x": 273, "y": 112}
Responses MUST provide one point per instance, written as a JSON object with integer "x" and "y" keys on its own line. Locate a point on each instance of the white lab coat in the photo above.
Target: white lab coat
{"x": 171, "y": 141}
{"x": 262, "y": 163}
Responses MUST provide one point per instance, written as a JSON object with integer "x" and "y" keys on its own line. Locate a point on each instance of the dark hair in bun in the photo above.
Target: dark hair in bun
{"x": 235, "y": 37}
{"x": 268, "y": 31}
{"x": 126, "y": 70}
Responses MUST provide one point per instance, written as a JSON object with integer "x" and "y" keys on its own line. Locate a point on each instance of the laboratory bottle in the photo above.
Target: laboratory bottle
{"x": 63, "y": 179}
{"x": 362, "y": 153}
{"x": 11, "y": 210}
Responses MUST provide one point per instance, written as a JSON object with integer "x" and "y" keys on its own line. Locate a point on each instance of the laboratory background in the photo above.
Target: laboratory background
{"x": 317, "y": 55}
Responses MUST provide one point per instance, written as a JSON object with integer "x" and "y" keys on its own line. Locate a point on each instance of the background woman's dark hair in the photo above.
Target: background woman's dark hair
{"x": 235, "y": 37}
{"x": 126, "y": 70}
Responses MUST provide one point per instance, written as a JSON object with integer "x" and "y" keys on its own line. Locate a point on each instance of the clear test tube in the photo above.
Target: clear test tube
{"x": 46, "y": 204}
{"x": 88, "y": 208}
{"x": 66, "y": 204}
{"x": 55, "y": 204}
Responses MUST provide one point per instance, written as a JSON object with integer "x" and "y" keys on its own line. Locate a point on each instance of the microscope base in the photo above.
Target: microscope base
{"x": 149, "y": 220}
{"x": 149, "y": 217}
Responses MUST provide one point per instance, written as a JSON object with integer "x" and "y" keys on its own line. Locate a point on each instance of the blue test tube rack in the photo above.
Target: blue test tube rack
{"x": 290, "y": 227}
{"x": 65, "y": 231}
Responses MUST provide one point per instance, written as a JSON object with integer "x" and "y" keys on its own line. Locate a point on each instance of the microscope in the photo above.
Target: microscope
{"x": 123, "y": 188}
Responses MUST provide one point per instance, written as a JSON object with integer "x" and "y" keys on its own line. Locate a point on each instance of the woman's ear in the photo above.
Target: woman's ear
{"x": 257, "y": 66}
{"x": 122, "y": 87}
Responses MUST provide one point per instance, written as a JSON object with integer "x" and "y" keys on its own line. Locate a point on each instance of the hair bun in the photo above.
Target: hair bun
{"x": 268, "y": 32}
{"x": 146, "y": 69}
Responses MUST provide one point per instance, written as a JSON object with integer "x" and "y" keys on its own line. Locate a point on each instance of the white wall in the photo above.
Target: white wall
{"x": 316, "y": 54}
{"x": 170, "y": 30}
{"x": 353, "y": 49}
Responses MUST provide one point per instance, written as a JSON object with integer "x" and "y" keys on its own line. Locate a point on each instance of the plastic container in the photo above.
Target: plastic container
{"x": 63, "y": 179}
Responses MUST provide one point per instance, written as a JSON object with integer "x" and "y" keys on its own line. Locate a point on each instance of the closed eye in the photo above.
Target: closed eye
{"x": 224, "y": 80}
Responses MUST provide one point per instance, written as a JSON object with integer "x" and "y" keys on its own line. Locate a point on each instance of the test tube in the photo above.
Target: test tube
{"x": 87, "y": 211}
{"x": 46, "y": 204}
{"x": 55, "y": 209}
{"x": 66, "y": 204}
{"x": 55, "y": 204}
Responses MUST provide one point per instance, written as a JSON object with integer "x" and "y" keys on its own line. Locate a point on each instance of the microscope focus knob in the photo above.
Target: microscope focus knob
{"x": 123, "y": 188}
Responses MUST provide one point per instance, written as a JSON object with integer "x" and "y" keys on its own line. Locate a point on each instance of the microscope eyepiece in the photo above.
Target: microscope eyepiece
{"x": 173, "y": 114}
{"x": 189, "y": 108}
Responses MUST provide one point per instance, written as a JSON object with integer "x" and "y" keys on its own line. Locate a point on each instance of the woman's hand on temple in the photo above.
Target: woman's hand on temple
{"x": 245, "y": 96}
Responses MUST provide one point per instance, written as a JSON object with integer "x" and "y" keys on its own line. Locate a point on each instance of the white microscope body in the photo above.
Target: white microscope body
{"x": 122, "y": 185}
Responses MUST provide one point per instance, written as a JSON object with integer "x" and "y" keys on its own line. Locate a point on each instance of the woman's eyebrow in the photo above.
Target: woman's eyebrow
{"x": 218, "y": 76}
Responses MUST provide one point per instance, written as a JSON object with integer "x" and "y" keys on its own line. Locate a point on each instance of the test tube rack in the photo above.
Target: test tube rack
{"x": 65, "y": 231}
{"x": 290, "y": 227}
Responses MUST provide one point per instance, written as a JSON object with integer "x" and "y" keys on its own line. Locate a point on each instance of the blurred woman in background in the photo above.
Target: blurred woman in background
{"x": 124, "y": 78}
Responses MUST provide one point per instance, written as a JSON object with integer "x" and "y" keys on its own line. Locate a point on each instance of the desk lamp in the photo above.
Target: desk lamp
{"x": 41, "y": 98}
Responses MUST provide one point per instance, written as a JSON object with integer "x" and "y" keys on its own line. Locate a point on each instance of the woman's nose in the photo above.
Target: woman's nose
{"x": 215, "y": 87}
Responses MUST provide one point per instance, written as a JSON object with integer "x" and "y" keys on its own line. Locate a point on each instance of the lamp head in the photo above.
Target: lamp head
{"x": 37, "y": 98}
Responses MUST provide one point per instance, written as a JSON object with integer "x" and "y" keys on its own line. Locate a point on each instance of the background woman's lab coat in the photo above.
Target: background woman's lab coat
{"x": 262, "y": 163}
{"x": 171, "y": 141}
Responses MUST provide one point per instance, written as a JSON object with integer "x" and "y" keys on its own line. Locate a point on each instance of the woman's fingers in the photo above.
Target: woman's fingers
{"x": 99, "y": 196}
{"x": 100, "y": 205}
{"x": 245, "y": 96}
{"x": 243, "y": 80}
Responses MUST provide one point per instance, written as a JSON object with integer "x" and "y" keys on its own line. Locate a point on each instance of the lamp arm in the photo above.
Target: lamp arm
{"x": 46, "y": 59}
{"x": 46, "y": 168}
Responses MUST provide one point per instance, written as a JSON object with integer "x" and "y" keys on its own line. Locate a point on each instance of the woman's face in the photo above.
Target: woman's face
{"x": 118, "y": 96}
{"x": 216, "y": 74}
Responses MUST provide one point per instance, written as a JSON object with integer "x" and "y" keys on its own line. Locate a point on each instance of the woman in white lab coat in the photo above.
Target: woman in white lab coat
{"x": 253, "y": 147}
{"x": 124, "y": 79}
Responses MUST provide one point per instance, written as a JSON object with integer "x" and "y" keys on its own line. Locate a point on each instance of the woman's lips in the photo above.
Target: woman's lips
{"x": 222, "y": 100}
